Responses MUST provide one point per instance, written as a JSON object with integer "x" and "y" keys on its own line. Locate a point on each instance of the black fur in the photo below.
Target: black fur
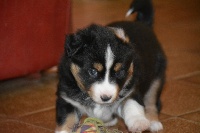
{"x": 88, "y": 46}
{"x": 151, "y": 60}
{"x": 144, "y": 11}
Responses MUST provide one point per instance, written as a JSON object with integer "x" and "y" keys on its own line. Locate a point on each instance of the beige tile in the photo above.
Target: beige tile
{"x": 44, "y": 119}
{"x": 13, "y": 126}
{"x": 192, "y": 116}
{"x": 177, "y": 125}
{"x": 180, "y": 98}
{"x": 181, "y": 45}
{"x": 177, "y": 27}
{"x": 2, "y": 118}
{"x": 163, "y": 116}
{"x": 21, "y": 96}
{"x": 195, "y": 79}
{"x": 182, "y": 63}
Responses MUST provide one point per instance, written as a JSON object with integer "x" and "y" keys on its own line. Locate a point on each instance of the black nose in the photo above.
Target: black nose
{"x": 105, "y": 98}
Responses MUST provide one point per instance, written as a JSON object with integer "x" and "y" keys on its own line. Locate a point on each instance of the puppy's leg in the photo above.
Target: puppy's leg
{"x": 150, "y": 100}
{"x": 134, "y": 117}
{"x": 66, "y": 117}
{"x": 111, "y": 122}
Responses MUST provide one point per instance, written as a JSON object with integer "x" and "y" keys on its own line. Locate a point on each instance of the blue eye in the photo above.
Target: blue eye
{"x": 93, "y": 73}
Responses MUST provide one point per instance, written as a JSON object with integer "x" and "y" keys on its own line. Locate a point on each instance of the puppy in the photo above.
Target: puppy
{"x": 116, "y": 70}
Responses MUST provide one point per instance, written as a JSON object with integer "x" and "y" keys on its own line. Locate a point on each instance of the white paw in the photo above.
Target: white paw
{"x": 155, "y": 126}
{"x": 137, "y": 124}
{"x": 112, "y": 122}
{"x": 61, "y": 132}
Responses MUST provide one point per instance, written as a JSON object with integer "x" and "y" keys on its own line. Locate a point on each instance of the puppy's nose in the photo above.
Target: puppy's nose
{"x": 105, "y": 98}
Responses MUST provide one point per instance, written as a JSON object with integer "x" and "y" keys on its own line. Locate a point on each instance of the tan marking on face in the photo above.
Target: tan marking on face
{"x": 75, "y": 71}
{"x": 130, "y": 71}
{"x": 120, "y": 34}
{"x": 130, "y": 74}
{"x": 98, "y": 66}
{"x": 150, "y": 101}
{"x": 117, "y": 66}
{"x": 68, "y": 124}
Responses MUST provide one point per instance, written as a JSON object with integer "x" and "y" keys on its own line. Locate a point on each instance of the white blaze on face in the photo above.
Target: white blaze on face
{"x": 106, "y": 88}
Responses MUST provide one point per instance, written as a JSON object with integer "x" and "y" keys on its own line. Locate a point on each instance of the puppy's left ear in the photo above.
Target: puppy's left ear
{"x": 72, "y": 45}
{"x": 120, "y": 33}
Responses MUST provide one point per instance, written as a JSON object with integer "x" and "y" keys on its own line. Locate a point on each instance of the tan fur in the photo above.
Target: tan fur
{"x": 120, "y": 34}
{"x": 69, "y": 123}
{"x": 130, "y": 72}
{"x": 98, "y": 66}
{"x": 117, "y": 66}
{"x": 150, "y": 101}
{"x": 75, "y": 71}
{"x": 131, "y": 68}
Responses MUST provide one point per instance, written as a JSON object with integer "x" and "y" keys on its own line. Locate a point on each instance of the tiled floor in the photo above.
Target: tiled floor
{"x": 27, "y": 105}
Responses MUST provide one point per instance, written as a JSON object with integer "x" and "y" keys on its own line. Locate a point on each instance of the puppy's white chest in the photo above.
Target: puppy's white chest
{"x": 104, "y": 113}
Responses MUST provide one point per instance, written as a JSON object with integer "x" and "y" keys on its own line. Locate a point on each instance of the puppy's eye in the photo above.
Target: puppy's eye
{"x": 93, "y": 73}
{"x": 120, "y": 74}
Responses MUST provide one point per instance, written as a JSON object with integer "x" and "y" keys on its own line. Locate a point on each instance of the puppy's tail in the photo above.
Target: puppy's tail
{"x": 144, "y": 9}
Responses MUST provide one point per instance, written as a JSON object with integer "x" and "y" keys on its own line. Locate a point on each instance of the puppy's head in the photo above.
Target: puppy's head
{"x": 101, "y": 60}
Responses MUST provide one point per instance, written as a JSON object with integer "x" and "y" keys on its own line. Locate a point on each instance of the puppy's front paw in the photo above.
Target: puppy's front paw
{"x": 137, "y": 124}
{"x": 111, "y": 123}
{"x": 155, "y": 126}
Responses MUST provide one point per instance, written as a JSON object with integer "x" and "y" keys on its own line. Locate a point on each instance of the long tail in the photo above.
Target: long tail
{"x": 144, "y": 9}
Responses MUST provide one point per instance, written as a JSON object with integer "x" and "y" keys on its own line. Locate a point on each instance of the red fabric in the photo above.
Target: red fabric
{"x": 32, "y": 34}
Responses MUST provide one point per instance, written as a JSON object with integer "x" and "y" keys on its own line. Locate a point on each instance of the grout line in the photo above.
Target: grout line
{"x": 190, "y": 112}
{"x": 29, "y": 124}
{"x": 170, "y": 118}
{"x": 194, "y": 111}
{"x": 38, "y": 111}
{"x": 176, "y": 117}
{"x": 186, "y": 75}
{"x": 168, "y": 114}
{"x": 195, "y": 122}
{"x": 35, "y": 125}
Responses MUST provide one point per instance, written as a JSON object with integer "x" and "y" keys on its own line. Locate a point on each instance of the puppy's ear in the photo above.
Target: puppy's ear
{"x": 72, "y": 45}
{"x": 120, "y": 33}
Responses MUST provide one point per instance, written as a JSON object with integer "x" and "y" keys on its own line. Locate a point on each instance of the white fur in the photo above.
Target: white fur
{"x": 109, "y": 58}
{"x": 150, "y": 105}
{"x": 74, "y": 103}
{"x": 134, "y": 116}
{"x": 129, "y": 12}
{"x": 105, "y": 87}
{"x": 61, "y": 132}
{"x": 102, "y": 112}
{"x": 112, "y": 122}
{"x": 155, "y": 126}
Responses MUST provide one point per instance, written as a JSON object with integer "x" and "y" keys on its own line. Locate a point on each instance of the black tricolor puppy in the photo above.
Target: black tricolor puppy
{"x": 117, "y": 70}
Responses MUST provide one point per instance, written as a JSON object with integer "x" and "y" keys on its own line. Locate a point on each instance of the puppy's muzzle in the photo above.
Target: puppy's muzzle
{"x": 105, "y": 98}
